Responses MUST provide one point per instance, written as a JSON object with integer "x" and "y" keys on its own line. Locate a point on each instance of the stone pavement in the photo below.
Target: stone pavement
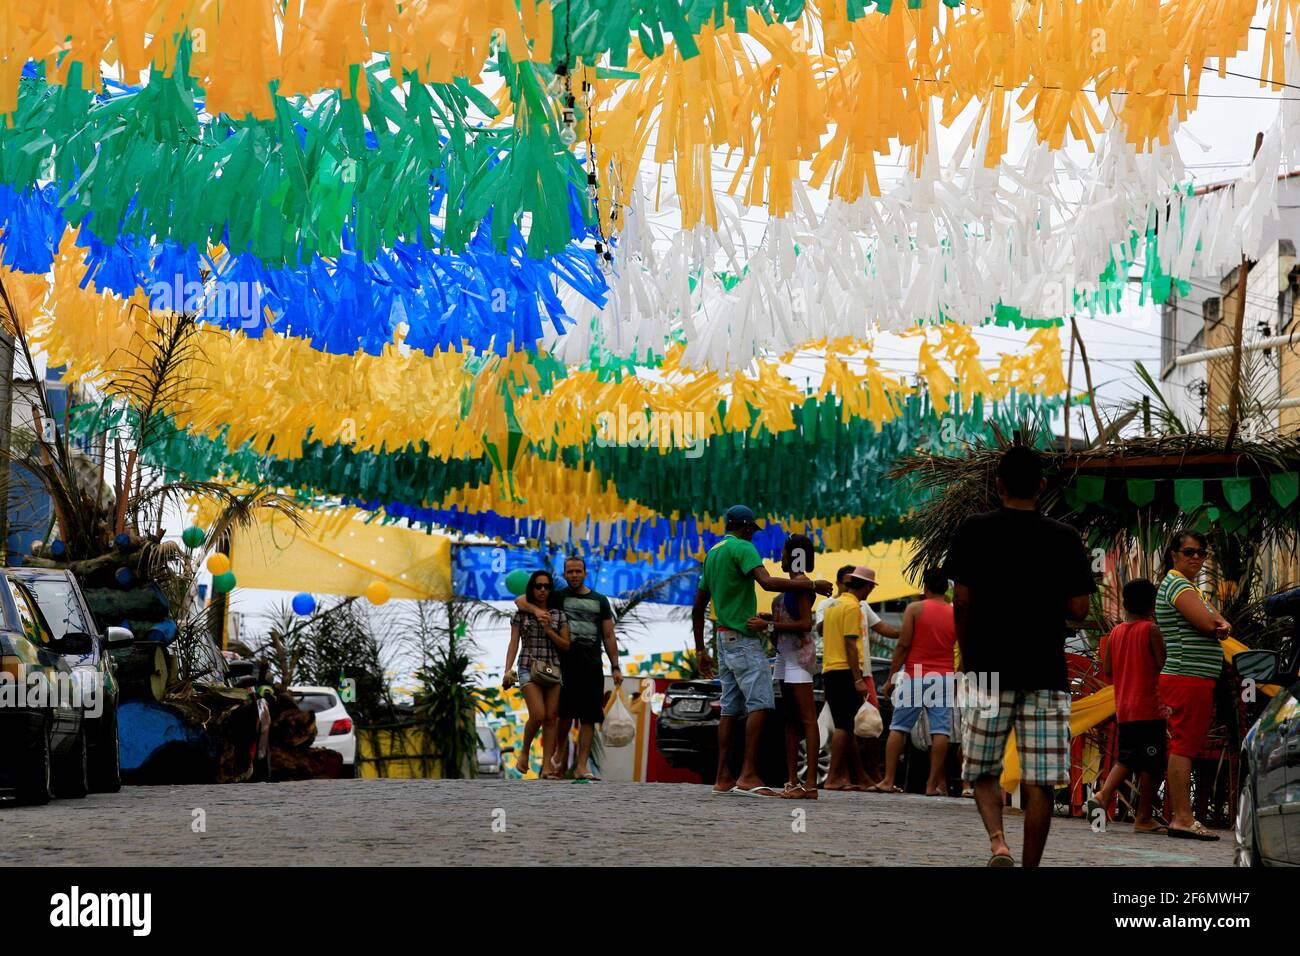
{"x": 376, "y": 822}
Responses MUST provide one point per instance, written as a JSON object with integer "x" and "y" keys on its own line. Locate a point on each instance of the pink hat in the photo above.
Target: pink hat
{"x": 864, "y": 573}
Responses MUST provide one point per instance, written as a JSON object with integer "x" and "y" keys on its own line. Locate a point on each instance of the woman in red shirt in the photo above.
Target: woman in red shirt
{"x": 925, "y": 657}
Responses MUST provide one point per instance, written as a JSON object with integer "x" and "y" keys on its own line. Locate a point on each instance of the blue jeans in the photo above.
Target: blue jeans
{"x": 745, "y": 674}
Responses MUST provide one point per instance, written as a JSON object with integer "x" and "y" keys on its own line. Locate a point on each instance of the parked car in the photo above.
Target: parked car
{"x": 488, "y": 756}
{"x": 1267, "y": 830}
{"x": 334, "y": 728}
{"x": 64, "y": 608}
{"x": 44, "y": 741}
{"x": 686, "y": 731}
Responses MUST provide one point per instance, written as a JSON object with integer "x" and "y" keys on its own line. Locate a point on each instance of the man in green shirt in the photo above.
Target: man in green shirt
{"x": 731, "y": 568}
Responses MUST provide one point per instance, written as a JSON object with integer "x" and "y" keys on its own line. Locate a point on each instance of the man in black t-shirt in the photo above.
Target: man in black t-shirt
{"x": 1019, "y": 575}
{"x": 582, "y": 693}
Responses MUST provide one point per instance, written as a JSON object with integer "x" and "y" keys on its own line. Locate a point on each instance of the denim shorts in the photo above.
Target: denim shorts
{"x": 909, "y": 693}
{"x": 745, "y": 674}
{"x": 525, "y": 675}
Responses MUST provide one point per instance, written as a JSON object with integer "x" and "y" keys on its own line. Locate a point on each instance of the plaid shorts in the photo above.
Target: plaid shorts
{"x": 1042, "y": 723}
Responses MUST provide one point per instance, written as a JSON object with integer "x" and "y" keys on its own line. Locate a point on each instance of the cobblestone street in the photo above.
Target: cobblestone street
{"x": 452, "y": 822}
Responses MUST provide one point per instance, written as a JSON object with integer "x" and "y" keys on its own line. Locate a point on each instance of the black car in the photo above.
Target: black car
{"x": 43, "y": 724}
{"x": 64, "y": 608}
{"x": 686, "y": 732}
{"x": 1268, "y": 802}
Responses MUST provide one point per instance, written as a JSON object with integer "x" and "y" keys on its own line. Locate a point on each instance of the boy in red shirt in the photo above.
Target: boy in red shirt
{"x": 1132, "y": 656}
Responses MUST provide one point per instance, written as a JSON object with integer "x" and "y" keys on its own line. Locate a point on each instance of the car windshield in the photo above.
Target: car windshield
{"x": 58, "y": 603}
{"x": 486, "y": 739}
{"x": 316, "y": 703}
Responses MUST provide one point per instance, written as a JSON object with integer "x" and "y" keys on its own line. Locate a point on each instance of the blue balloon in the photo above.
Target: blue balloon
{"x": 124, "y": 576}
{"x": 303, "y": 603}
{"x": 122, "y": 540}
{"x": 58, "y": 549}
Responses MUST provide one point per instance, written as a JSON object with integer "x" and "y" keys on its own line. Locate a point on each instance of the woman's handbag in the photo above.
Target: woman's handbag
{"x": 545, "y": 674}
{"x": 806, "y": 654}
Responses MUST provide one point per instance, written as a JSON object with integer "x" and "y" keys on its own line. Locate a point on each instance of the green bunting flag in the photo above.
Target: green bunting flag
{"x": 1091, "y": 489}
{"x": 1189, "y": 493}
{"x": 1236, "y": 492}
{"x": 1141, "y": 491}
{"x": 1285, "y": 487}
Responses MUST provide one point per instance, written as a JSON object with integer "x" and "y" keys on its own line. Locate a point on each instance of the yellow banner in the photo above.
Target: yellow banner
{"x": 342, "y": 555}
{"x": 888, "y": 560}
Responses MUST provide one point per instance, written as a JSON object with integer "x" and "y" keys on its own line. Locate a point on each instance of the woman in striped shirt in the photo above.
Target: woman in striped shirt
{"x": 1192, "y": 629}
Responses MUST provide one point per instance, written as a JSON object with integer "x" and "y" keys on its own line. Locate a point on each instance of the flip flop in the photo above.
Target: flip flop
{"x": 759, "y": 791}
{"x": 798, "y": 793}
{"x": 724, "y": 793}
{"x": 878, "y": 788}
{"x": 1155, "y": 829}
{"x": 1090, "y": 807}
{"x": 968, "y": 794}
{"x": 851, "y": 788}
{"x": 1196, "y": 832}
{"x": 1000, "y": 859}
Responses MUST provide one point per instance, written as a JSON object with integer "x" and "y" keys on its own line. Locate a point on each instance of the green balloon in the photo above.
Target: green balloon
{"x": 517, "y": 581}
{"x": 223, "y": 583}
{"x": 193, "y": 536}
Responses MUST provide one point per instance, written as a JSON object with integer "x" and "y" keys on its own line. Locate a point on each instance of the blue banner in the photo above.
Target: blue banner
{"x": 479, "y": 571}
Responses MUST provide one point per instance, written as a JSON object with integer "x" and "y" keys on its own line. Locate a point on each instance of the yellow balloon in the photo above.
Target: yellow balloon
{"x": 377, "y": 592}
{"x": 218, "y": 563}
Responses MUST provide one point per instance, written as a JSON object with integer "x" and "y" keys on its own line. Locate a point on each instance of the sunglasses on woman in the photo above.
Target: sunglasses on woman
{"x": 541, "y": 587}
{"x": 1195, "y": 552}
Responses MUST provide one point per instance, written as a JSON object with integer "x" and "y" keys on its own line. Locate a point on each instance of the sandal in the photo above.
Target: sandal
{"x": 1154, "y": 828}
{"x": 1000, "y": 859}
{"x": 881, "y": 788}
{"x": 799, "y": 792}
{"x": 1196, "y": 831}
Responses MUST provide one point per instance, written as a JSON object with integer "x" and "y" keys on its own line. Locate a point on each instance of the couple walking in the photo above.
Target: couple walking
{"x": 558, "y": 636}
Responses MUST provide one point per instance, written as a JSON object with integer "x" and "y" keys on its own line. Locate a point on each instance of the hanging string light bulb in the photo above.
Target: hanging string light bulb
{"x": 559, "y": 79}
{"x": 604, "y": 245}
{"x": 569, "y": 130}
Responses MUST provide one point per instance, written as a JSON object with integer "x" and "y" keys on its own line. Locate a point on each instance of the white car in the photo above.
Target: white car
{"x": 334, "y": 728}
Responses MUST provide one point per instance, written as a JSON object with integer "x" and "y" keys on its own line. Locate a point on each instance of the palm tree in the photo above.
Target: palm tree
{"x": 449, "y": 699}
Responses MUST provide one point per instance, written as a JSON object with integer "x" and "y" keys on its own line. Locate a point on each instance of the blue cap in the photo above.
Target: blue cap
{"x": 740, "y": 515}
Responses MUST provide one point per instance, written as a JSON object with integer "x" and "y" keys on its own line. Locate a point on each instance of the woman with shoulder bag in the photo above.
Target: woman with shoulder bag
{"x": 538, "y": 644}
{"x": 790, "y": 627}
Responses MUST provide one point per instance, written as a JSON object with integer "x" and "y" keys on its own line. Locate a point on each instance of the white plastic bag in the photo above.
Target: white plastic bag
{"x": 867, "y": 722}
{"x": 921, "y": 732}
{"x": 619, "y": 728}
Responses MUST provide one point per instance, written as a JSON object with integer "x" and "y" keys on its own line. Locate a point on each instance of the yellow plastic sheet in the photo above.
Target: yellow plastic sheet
{"x": 339, "y": 555}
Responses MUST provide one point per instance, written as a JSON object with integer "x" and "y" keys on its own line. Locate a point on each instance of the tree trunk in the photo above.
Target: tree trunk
{"x": 142, "y": 670}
